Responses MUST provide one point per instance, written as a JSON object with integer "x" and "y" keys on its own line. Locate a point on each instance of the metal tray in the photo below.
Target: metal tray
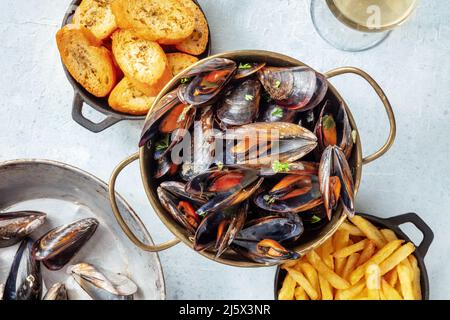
{"x": 66, "y": 194}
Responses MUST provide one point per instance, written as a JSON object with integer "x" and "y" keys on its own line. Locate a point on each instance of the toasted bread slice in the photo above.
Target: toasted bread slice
{"x": 163, "y": 21}
{"x": 97, "y": 16}
{"x": 87, "y": 61}
{"x": 179, "y": 61}
{"x": 142, "y": 61}
{"x": 198, "y": 41}
{"x": 127, "y": 98}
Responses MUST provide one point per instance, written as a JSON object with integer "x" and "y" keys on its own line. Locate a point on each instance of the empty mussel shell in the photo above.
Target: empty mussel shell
{"x": 14, "y": 226}
{"x": 24, "y": 280}
{"x": 57, "y": 292}
{"x": 101, "y": 284}
{"x": 58, "y": 246}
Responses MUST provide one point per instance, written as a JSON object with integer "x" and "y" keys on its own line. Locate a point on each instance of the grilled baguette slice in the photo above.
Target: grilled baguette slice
{"x": 179, "y": 61}
{"x": 142, "y": 61}
{"x": 86, "y": 60}
{"x": 198, "y": 41}
{"x": 127, "y": 98}
{"x": 97, "y": 16}
{"x": 163, "y": 21}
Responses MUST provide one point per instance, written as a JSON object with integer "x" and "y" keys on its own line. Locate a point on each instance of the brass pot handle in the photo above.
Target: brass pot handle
{"x": 384, "y": 100}
{"x": 119, "y": 218}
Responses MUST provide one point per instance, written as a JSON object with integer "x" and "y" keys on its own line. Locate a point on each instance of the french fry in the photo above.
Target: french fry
{"x": 350, "y": 265}
{"x": 389, "y": 292}
{"x": 377, "y": 258}
{"x": 325, "y": 288}
{"x": 398, "y": 256}
{"x": 415, "y": 277}
{"x": 304, "y": 283}
{"x": 388, "y": 234}
{"x": 369, "y": 230}
{"x": 289, "y": 264}
{"x": 300, "y": 294}
{"x": 335, "y": 280}
{"x": 287, "y": 289}
{"x": 341, "y": 238}
{"x": 348, "y": 251}
{"x": 405, "y": 279}
{"x": 351, "y": 229}
{"x": 367, "y": 253}
{"x": 351, "y": 292}
{"x": 373, "y": 281}
{"x": 326, "y": 251}
{"x": 391, "y": 277}
{"x": 310, "y": 274}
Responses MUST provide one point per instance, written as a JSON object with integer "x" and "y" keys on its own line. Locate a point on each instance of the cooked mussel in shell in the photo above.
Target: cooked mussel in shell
{"x": 297, "y": 88}
{"x": 24, "y": 280}
{"x": 101, "y": 284}
{"x": 266, "y": 251}
{"x": 14, "y": 226}
{"x": 58, "y": 246}
{"x": 240, "y": 104}
{"x": 57, "y": 292}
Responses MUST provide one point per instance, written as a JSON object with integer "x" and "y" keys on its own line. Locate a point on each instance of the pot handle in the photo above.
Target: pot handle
{"x": 77, "y": 116}
{"x": 384, "y": 100}
{"x": 119, "y": 218}
{"x": 426, "y": 231}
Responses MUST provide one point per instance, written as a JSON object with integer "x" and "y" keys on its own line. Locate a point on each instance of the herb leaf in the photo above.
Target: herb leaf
{"x": 277, "y": 84}
{"x": 279, "y": 167}
{"x": 277, "y": 112}
{"x": 185, "y": 80}
{"x": 249, "y": 97}
{"x": 163, "y": 143}
{"x": 245, "y": 66}
{"x": 315, "y": 219}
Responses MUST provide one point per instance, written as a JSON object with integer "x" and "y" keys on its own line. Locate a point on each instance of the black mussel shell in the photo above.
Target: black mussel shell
{"x": 240, "y": 104}
{"x": 58, "y": 246}
{"x": 101, "y": 284}
{"x": 14, "y": 226}
{"x": 57, "y": 292}
{"x": 24, "y": 280}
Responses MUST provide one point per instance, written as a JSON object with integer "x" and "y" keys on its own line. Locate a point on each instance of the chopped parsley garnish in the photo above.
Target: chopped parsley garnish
{"x": 280, "y": 167}
{"x": 163, "y": 143}
{"x": 315, "y": 219}
{"x": 219, "y": 165}
{"x": 277, "y": 112}
{"x": 249, "y": 97}
{"x": 245, "y": 66}
{"x": 277, "y": 84}
{"x": 185, "y": 80}
{"x": 268, "y": 199}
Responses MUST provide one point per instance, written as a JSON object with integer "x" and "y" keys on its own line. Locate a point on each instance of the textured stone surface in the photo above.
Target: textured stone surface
{"x": 412, "y": 66}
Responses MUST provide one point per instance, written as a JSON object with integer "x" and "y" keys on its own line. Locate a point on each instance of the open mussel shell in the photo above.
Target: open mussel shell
{"x": 101, "y": 284}
{"x": 334, "y": 165}
{"x": 182, "y": 210}
{"x": 333, "y": 128}
{"x": 14, "y": 226}
{"x": 247, "y": 69}
{"x": 297, "y": 88}
{"x": 24, "y": 280}
{"x": 206, "y": 86}
{"x": 58, "y": 246}
{"x": 220, "y": 228}
{"x": 240, "y": 104}
{"x": 293, "y": 193}
{"x": 266, "y": 251}
{"x": 178, "y": 189}
{"x": 57, "y": 292}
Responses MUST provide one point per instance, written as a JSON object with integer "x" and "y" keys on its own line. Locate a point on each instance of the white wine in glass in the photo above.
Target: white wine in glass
{"x": 356, "y": 25}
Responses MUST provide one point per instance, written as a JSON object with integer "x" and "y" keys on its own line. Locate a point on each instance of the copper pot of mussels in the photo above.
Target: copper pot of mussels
{"x": 251, "y": 158}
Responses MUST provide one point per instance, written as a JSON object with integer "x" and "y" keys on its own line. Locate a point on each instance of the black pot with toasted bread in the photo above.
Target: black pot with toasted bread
{"x": 100, "y": 104}
{"x": 393, "y": 224}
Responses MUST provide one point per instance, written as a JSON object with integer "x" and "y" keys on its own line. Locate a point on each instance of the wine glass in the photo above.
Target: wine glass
{"x": 357, "y": 25}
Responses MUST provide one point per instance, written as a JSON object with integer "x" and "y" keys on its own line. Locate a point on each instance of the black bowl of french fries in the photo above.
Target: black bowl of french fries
{"x": 124, "y": 87}
{"x": 368, "y": 258}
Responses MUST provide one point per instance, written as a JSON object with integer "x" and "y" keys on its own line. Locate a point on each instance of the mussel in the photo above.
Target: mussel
{"x": 24, "y": 280}
{"x": 296, "y": 88}
{"x": 225, "y": 186}
{"x": 293, "y": 193}
{"x": 336, "y": 181}
{"x": 266, "y": 251}
{"x": 57, "y": 292}
{"x": 202, "y": 145}
{"x": 261, "y": 144}
{"x": 333, "y": 128}
{"x": 240, "y": 104}
{"x": 58, "y": 246}
{"x": 14, "y": 226}
{"x": 101, "y": 284}
{"x": 210, "y": 78}
{"x": 219, "y": 228}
